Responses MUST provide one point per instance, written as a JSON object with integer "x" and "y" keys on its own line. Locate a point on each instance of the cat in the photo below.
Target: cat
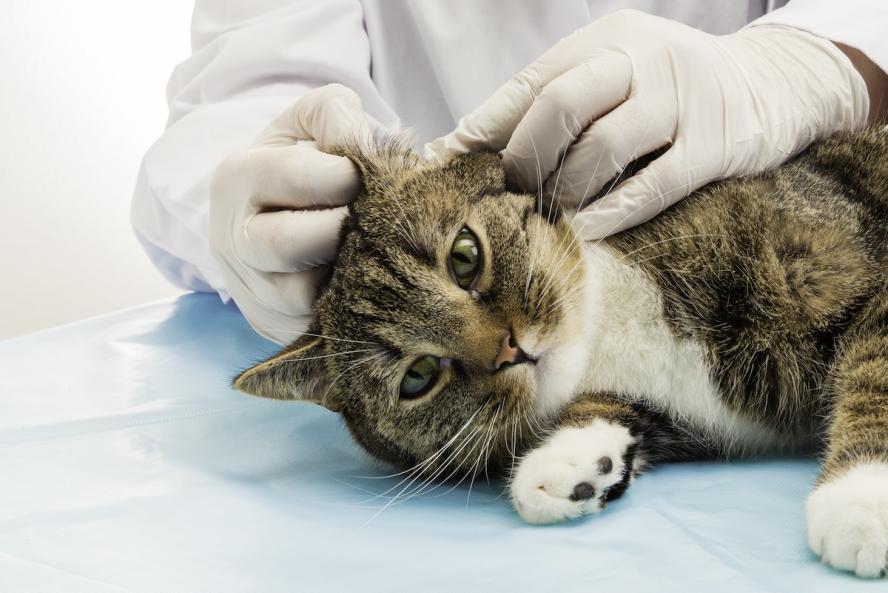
{"x": 464, "y": 327}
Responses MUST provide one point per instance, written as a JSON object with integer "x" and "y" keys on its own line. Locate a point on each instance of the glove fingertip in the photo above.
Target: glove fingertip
{"x": 595, "y": 225}
{"x": 631, "y": 203}
{"x": 437, "y": 151}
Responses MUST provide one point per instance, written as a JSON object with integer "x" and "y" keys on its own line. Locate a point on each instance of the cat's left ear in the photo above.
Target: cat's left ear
{"x": 296, "y": 373}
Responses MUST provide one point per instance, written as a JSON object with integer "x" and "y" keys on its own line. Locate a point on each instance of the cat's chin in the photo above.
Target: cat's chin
{"x": 558, "y": 374}
{"x": 562, "y": 351}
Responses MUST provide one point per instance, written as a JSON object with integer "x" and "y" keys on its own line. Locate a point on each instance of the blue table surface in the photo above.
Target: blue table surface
{"x": 127, "y": 463}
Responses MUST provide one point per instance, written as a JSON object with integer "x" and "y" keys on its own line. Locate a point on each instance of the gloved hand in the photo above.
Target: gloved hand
{"x": 276, "y": 210}
{"x": 631, "y": 83}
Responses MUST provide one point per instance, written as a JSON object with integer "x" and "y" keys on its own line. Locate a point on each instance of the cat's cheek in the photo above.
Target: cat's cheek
{"x": 848, "y": 520}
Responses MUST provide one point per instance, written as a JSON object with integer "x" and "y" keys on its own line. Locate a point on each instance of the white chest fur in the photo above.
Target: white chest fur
{"x": 632, "y": 352}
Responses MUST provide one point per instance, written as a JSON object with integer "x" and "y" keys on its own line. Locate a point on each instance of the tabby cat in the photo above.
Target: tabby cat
{"x": 464, "y": 327}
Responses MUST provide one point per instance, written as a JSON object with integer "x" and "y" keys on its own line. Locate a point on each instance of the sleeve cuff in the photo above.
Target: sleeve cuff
{"x": 861, "y": 24}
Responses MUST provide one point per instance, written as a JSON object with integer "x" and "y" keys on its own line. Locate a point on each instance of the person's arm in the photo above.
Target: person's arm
{"x": 250, "y": 62}
{"x": 631, "y": 84}
{"x": 858, "y": 28}
{"x": 876, "y": 82}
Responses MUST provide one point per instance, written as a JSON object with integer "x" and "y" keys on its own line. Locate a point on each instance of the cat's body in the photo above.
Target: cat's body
{"x": 742, "y": 295}
{"x": 464, "y": 328}
{"x": 635, "y": 353}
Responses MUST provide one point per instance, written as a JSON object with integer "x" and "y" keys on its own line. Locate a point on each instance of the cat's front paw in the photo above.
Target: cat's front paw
{"x": 848, "y": 520}
{"x": 571, "y": 473}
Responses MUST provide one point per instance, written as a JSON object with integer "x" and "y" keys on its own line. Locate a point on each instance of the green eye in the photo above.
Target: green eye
{"x": 421, "y": 376}
{"x": 465, "y": 258}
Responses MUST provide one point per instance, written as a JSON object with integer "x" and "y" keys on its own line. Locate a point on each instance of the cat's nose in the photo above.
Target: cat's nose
{"x": 510, "y": 354}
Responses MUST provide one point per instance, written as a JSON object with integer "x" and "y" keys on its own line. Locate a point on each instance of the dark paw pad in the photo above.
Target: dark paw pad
{"x": 605, "y": 465}
{"x": 582, "y": 491}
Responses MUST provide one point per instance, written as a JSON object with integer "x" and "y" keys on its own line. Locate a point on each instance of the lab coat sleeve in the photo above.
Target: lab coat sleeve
{"x": 862, "y": 24}
{"x": 250, "y": 60}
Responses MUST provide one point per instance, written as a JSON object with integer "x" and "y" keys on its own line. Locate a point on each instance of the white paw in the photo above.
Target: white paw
{"x": 848, "y": 520}
{"x": 569, "y": 475}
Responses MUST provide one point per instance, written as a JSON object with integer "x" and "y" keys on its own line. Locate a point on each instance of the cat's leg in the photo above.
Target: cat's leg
{"x": 590, "y": 457}
{"x": 847, "y": 514}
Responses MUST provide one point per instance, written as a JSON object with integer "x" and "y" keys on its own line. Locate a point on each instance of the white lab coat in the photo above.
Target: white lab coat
{"x": 415, "y": 63}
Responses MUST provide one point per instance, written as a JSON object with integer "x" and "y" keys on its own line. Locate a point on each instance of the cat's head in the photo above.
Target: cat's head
{"x": 451, "y": 323}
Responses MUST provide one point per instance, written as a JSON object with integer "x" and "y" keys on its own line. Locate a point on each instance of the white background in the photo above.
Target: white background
{"x": 81, "y": 99}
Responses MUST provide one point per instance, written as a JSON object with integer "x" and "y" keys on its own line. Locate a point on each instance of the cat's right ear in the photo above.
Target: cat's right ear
{"x": 296, "y": 373}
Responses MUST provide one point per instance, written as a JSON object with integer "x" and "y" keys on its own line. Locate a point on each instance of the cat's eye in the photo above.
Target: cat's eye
{"x": 465, "y": 258}
{"x": 420, "y": 377}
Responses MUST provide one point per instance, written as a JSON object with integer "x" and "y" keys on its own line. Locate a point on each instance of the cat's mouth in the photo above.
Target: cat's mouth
{"x": 521, "y": 357}
{"x": 552, "y": 367}
{"x": 543, "y": 376}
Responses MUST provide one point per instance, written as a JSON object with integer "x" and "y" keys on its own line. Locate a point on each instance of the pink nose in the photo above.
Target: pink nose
{"x": 510, "y": 353}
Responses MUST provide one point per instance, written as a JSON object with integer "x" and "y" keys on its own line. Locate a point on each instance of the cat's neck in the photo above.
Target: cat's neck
{"x": 619, "y": 296}
{"x": 630, "y": 346}
{"x": 633, "y": 352}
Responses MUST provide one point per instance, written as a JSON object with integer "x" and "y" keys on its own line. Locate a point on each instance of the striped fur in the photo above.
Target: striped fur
{"x": 773, "y": 287}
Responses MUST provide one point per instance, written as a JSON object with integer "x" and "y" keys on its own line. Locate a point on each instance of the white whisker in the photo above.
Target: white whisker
{"x": 277, "y": 362}
{"x": 627, "y": 254}
{"x": 431, "y": 457}
{"x": 363, "y": 360}
{"x": 540, "y": 206}
{"x": 298, "y": 333}
{"x": 557, "y": 267}
{"x": 476, "y": 467}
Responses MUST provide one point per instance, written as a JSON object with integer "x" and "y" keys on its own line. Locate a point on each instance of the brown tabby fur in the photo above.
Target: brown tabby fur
{"x": 782, "y": 277}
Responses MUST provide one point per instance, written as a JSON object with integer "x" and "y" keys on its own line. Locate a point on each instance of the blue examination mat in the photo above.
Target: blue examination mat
{"x": 128, "y": 464}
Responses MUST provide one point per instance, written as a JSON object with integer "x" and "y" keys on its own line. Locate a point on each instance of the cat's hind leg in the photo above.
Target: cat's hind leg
{"x": 847, "y": 514}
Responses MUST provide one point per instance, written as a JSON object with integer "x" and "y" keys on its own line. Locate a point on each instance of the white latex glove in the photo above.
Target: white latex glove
{"x": 631, "y": 83}
{"x": 276, "y": 210}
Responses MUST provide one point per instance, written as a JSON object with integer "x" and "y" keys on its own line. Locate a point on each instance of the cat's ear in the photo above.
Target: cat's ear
{"x": 296, "y": 373}
{"x": 382, "y": 161}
